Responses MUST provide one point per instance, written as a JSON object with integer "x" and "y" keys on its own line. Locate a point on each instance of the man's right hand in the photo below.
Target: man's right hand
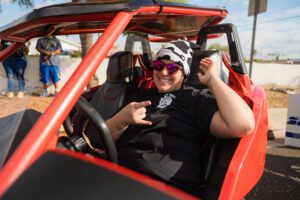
{"x": 134, "y": 113}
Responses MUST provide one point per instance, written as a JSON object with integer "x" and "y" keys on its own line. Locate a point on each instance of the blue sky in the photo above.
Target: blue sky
{"x": 278, "y": 29}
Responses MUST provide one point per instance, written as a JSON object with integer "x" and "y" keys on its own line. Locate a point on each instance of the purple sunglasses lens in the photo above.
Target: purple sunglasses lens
{"x": 159, "y": 65}
{"x": 172, "y": 68}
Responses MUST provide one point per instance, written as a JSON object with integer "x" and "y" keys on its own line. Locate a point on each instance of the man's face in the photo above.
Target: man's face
{"x": 168, "y": 82}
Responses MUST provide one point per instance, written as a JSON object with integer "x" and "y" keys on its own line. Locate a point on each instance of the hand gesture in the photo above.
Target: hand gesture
{"x": 208, "y": 71}
{"x": 134, "y": 114}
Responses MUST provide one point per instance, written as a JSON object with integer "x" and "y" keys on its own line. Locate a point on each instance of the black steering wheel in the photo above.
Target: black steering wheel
{"x": 88, "y": 111}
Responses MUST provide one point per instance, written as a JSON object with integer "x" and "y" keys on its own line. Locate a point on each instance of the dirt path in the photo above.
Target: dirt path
{"x": 12, "y": 105}
{"x": 276, "y": 99}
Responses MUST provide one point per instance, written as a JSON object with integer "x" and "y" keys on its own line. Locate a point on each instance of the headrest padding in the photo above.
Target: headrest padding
{"x": 119, "y": 69}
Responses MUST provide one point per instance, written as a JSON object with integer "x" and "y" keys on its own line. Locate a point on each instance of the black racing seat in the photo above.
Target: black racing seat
{"x": 108, "y": 99}
{"x": 119, "y": 76}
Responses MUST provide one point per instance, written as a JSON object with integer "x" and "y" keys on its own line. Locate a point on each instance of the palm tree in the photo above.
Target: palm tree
{"x": 21, "y": 3}
{"x": 86, "y": 41}
{"x": 219, "y": 47}
{"x": 86, "y": 44}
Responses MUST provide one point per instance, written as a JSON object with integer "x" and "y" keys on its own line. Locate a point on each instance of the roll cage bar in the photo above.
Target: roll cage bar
{"x": 236, "y": 55}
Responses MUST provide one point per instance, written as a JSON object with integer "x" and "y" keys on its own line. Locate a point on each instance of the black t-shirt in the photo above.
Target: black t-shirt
{"x": 169, "y": 149}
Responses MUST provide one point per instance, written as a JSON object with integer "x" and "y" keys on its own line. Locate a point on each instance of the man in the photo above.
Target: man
{"x": 160, "y": 131}
{"x": 50, "y": 49}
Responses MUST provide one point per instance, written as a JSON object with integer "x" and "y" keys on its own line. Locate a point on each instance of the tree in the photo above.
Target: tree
{"x": 86, "y": 44}
{"x": 218, "y": 47}
{"x": 254, "y": 52}
{"x": 276, "y": 55}
{"x": 86, "y": 41}
{"x": 21, "y": 3}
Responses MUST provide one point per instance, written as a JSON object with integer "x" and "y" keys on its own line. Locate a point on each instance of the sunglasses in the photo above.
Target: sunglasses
{"x": 159, "y": 65}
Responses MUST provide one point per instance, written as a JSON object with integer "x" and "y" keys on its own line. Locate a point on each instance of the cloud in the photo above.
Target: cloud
{"x": 48, "y": 3}
{"x": 244, "y": 2}
{"x": 279, "y": 38}
{"x": 276, "y": 31}
{"x": 272, "y": 38}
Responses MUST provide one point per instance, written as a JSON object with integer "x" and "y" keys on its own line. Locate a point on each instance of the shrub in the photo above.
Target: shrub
{"x": 76, "y": 54}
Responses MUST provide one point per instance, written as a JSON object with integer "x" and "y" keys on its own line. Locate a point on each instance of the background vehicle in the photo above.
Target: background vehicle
{"x": 294, "y": 121}
{"x": 233, "y": 166}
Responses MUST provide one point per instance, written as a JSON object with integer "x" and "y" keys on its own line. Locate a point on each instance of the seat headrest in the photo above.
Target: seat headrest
{"x": 119, "y": 69}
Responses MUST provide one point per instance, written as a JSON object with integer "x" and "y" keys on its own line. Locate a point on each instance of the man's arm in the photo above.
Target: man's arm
{"x": 58, "y": 50}
{"x": 234, "y": 117}
{"x": 25, "y": 49}
{"x": 132, "y": 114}
{"x": 43, "y": 51}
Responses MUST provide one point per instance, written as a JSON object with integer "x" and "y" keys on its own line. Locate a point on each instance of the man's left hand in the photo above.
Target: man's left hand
{"x": 208, "y": 71}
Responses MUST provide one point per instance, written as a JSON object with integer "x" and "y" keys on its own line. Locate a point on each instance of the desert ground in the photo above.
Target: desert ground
{"x": 277, "y": 98}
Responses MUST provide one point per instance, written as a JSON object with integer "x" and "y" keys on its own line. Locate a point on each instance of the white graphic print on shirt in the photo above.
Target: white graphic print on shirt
{"x": 166, "y": 100}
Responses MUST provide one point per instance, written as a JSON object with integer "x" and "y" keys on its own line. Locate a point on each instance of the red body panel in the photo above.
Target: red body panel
{"x": 241, "y": 176}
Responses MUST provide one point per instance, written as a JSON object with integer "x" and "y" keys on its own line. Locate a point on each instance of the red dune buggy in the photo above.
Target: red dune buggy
{"x": 48, "y": 165}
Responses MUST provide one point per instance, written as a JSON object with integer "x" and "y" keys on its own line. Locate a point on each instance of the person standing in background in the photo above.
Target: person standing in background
{"x": 50, "y": 49}
{"x": 15, "y": 66}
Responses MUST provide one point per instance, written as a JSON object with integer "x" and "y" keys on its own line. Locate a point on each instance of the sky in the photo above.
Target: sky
{"x": 277, "y": 31}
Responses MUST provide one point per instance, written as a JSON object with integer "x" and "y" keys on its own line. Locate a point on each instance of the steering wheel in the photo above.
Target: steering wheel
{"x": 88, "y": 111}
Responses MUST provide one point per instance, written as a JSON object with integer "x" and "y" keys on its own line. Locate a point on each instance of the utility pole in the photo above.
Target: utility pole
{"x": 255, "y": 7}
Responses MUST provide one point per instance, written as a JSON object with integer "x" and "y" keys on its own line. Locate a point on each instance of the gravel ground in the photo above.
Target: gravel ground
{"x": 12, "y": 105}
{"x": 281, "y": 178}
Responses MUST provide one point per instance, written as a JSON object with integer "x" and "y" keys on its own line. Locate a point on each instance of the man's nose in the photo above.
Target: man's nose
{"x": 164, "y": 71}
